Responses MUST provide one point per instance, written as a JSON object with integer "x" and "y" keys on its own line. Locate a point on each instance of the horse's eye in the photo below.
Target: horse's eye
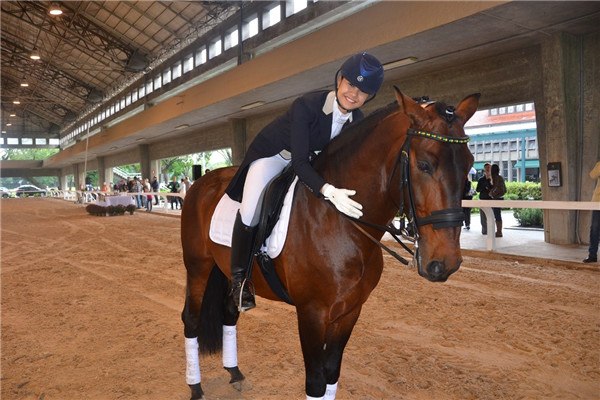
{"x": 424, "y": 166}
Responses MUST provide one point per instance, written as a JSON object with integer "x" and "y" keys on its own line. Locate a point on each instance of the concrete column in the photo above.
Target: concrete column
{"x": 77, "y": 176}
{"x": 144, "y": 160}
{"x": 591, "y": 126}
{"x": 63, "y": 183}
{"x": 101, "y": 171}
{"x": 109, "y": 176}
{"x": 238, "y": 146}
{"x": 154, "y": 170}
{"x": 559, "y": 130}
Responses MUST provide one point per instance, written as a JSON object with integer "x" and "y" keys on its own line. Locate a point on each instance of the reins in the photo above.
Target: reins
{"x": 446, "y": 218}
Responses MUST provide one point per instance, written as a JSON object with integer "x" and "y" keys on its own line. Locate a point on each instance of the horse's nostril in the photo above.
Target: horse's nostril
{"x": 436, "y": 269}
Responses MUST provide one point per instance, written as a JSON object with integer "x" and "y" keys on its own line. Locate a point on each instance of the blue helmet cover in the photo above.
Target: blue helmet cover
{"x": 364, "y": 71}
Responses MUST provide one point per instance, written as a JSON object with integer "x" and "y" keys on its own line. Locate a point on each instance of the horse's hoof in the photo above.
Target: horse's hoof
{"x": 238, "y": 380}
{"x": 197, "y": 392}
{"x": 236, "y": 375}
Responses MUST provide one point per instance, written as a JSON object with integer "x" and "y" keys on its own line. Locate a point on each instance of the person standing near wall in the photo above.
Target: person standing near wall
{"x": 595, "y": 225}
{"x": 155, "y": 189}
{"x": 483, "y": 188}
{"x": 497, "y": 192}
{"x": 468, "y": 193}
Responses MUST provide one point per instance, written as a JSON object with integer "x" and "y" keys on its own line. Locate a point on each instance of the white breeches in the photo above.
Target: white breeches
{"x": 260, "y": 173}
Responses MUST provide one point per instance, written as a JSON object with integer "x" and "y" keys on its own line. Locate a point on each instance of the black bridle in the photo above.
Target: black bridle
{"x": 409, "y": 224}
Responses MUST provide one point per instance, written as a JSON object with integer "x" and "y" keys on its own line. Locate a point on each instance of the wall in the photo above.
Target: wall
{"x": 556, "y": 75}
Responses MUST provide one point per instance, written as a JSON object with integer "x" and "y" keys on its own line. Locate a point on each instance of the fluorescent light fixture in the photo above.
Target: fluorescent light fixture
{"x": 24, "y": 83}
{"x": 9, "y": 124}
{"x": 55, "y": 9}
{"x": 400, "y": 63}
{"x": 16, "y": 102}
{"x": 34, "y": 55}
{"x": 12, "y": 115}
{"x": 252, "y": 105}
{"x": 182, "y": 126}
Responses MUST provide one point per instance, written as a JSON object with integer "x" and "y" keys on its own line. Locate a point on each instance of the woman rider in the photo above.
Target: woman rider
{"x": 311, "y": 122}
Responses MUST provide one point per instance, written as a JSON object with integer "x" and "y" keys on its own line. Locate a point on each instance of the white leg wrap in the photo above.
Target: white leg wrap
{"x": 330, "y": 392}
{"x": 192, "y": 367}
{"x": 229, "y": 346}
{"x": 313, "y": 398}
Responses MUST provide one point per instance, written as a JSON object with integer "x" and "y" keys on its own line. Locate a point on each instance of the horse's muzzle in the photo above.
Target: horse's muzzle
{"x": 436, "y": 271}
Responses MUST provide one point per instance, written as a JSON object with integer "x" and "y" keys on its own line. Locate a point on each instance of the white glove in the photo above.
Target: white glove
{"x": 341, "y": 200}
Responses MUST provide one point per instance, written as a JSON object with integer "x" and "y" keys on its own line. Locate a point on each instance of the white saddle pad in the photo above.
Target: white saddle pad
{"x": 221, "y": 224}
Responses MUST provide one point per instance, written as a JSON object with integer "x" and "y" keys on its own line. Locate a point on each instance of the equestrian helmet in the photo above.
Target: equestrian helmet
{"x": 363, "y": 71}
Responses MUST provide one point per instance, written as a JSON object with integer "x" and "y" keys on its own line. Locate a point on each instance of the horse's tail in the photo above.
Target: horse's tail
{"x": 212, "y": 313}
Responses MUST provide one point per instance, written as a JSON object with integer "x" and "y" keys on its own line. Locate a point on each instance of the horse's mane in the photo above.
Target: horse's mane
{"x": 445, "y": 111}
{"x": 351, "y": 138}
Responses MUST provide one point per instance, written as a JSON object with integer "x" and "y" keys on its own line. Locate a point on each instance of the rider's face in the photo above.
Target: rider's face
{"x": 349, "y": 96}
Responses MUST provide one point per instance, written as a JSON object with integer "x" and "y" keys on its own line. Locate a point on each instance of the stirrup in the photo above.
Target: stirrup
{"x": 250, "y": 304}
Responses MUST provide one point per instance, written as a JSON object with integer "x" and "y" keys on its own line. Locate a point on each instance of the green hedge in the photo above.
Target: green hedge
{"x": 524, "y": 190}
{"x": 529, "y": 216}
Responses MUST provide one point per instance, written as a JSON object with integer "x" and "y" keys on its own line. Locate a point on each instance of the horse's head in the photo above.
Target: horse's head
{"x": 435, "y": 166}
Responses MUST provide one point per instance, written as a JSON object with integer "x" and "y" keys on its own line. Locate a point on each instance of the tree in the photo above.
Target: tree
{"x": 28, "y": 154}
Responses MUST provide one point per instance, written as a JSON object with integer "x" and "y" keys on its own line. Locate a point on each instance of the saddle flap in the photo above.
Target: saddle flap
{"x": 272, "y": 203}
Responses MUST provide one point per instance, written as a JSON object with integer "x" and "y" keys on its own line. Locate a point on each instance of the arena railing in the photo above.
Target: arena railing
{"x": 487, "y": 205}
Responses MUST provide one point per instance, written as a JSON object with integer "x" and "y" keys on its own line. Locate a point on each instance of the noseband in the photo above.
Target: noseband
{"x": 446, "y": 218}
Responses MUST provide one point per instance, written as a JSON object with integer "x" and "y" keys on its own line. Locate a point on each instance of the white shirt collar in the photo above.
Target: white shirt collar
{"x": 331, "y": 106}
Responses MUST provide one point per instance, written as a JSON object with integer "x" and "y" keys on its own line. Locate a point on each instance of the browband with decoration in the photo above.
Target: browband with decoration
{"x": 439, "y": 138}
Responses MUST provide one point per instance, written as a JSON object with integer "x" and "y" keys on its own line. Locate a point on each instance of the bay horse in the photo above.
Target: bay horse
{"x": 404, "y": 157}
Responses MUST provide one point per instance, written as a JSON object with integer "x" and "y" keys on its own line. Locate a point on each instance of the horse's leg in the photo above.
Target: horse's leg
{"x": 323, "y": 346}
{"x": 230, "y": 362}
{"x": 202, "y": 317}
{"x": 312, "y": 330}
{"x": 191, "y": 323}
{"x": 338, "y": 334}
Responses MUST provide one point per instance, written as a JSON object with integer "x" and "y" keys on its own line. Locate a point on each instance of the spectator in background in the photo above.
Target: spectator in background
{"x": 155, "y": 189}
{"x": 497, "y": 192}
{"x": 595, "y": 224}
{"x": 188, "y": 183}
{"x": 173, "y": 188}
{"x": 148, "y": 197}
{"x": 183, "y": 191}
{"x": 483, "y": 188}
{"x": 468, "y": 193}
{"x": 104, "y": 188}
{"x": 122, "y": 186}
{"x": 136, "y": 187}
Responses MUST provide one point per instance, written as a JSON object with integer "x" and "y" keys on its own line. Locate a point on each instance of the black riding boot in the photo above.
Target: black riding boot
{"x": 242, "y": 242}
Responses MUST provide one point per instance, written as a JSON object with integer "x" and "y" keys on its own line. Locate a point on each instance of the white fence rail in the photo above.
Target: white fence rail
{"x": 487, "y": 205}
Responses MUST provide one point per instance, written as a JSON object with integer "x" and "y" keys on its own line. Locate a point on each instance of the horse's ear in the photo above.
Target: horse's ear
{"x": 407, "y": 104}
{"x": 467, "y": 107}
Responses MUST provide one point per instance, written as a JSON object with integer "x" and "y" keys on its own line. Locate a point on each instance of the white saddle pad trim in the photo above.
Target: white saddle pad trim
{"x": 221, "y": 224}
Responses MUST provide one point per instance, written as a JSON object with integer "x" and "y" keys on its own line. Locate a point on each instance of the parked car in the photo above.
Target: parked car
{"x": 4, "y": 192}
{"x": 29, "y": 190}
